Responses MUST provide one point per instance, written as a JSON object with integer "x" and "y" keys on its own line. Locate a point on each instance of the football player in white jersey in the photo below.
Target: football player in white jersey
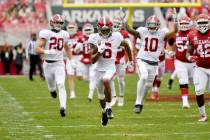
{"x": 120, "y": 64}
{"x": 51, "y": 44}
{"x": 152, "y": 43}
{"x": 104, "y": 46}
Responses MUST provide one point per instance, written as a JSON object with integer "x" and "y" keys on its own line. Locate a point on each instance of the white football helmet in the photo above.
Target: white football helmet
{"x": 104, "y": 27}
{"x": 153, "y": 23}
{"x": 117, "y": 24}
{"x": 56, "y": 22}
{"x": 72, "y": 28}
{"x": 203, "y": 23}
{"x": 88, "y": 29}
{"x": 184, "y": 23}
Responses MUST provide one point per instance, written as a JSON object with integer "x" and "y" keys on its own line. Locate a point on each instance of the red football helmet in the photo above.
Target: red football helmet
{"x": 88, "y": 29}
{"x": 72, "y": 28}
{"x": 203, "y": 23}
{"x": 104, "y": 27}
{"x": 184, "y": 23}
{"x": 153, "y": 23}
{"x": 117, "y": 24}
{"x": 56, "y": 22}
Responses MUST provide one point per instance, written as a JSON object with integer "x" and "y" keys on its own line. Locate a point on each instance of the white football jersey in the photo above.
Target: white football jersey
{"x": 107, "y": 59}
{"x": 54, "y": 41}
{"x": 151, "y": 44}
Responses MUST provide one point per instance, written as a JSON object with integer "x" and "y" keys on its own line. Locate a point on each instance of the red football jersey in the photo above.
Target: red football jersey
{"x": 201, "y": 43}
{"x": 73, "y": 40}
{"x": 121, "y": 52}
{"x": 181, "y": 43}
{"x": 86, "y": 56}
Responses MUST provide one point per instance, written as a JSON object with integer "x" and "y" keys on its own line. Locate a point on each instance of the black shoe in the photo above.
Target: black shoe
{"x": 138, "y": 108}
{"x": 62, "y": 112}
{"x": 109, "y": 113}
{"x": 53, "y": 94}
{"x": 90, "y": 100}
{"x": 104, "y": 119}
{"x": 170, "y": 82}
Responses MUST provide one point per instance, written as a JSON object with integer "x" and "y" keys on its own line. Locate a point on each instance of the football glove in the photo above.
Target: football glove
{"x": 101, "y": 47}
{"x": 192, "y": 58}
{"x": 129, "y": 64}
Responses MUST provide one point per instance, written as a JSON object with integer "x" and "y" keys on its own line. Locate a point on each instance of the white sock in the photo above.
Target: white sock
{"x": 140, "y": 91}
{"x": 112, "y": 86}
{"x": 185, "y": 99}
{"x": 108, "y": 105}
{"x": 62, "y": 95}
{"x": 121, "y": 84}
{"x": 91, "y": 89}
{"x": 202, "y": 110}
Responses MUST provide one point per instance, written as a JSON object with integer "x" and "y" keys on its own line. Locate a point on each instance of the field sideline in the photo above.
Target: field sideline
{"x": 27, "y": 112}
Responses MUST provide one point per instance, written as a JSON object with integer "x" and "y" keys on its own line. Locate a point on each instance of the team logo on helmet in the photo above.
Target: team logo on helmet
{"x": 56, "y": 22}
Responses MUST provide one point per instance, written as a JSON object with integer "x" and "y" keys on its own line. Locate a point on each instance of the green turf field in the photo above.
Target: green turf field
{"x": 28, "y": 112}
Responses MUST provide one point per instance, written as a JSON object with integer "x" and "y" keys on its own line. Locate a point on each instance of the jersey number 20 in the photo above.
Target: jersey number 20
{"x": 56, "y": 43}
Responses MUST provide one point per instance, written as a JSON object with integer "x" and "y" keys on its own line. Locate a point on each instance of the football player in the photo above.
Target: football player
{"x": 73, "y": 66}
{"x": 52, "y": 44}
{"x": 152, "y": 42}
{"x": 159, "y": 76}
{"x": 199, "y": 40}
{"x": 183, "y": 67}
{"x": 104, "y": 46}
{"x": 88, "y": 68}
{"x": 120, "y": 64}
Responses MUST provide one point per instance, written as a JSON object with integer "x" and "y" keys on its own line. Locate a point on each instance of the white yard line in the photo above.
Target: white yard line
{"x": 18, "y": 122}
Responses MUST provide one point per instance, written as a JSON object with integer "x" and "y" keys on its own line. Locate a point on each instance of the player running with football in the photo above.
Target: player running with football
{"x": 104, "y": 46}
{"x": 52, "y": 44}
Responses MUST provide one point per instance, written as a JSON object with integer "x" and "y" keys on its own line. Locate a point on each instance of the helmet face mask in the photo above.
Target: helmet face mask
{"x": 153, "y": 24}
{"x": 56, "y": 22}
{"x": 203, "y": 23}
{"x": 104, "y": 27}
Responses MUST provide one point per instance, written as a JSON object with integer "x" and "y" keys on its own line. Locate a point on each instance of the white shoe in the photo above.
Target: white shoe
{"x": 203, "y": 118}
{"x": 113, "y": 101}
{"x": 185, "y": 105}
{"x": 72, "y": 95}
{"x": 121, "y": 101}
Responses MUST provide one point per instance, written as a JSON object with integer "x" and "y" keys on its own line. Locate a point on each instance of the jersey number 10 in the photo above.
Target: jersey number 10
{"x": 151, "y": 45}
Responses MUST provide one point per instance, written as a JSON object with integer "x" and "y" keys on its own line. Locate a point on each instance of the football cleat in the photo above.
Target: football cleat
{"x": 170, "y": 82}
{"x": 113, "y": 101}
{"x": 53, "y": 94}
{"x": 109, "y": 113}
{"x": 62, "y": 112}
{"x": 90, "y": 99}
{"x": 120, "y": 101}
{"x": 104, "y": 119}
{"x": 72, "y": 95}
{"x": 203, "y": 118}
{"x": 138, "y": 108}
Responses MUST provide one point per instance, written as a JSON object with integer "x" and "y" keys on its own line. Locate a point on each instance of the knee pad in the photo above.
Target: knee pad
{"x": 199, "y": 91}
